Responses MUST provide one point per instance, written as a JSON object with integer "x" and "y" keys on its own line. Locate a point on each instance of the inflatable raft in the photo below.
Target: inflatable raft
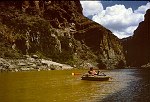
{"x": 95, "y": 77}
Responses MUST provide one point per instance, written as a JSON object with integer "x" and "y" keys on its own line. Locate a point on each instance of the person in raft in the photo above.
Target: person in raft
{"x": 92, "y": 71}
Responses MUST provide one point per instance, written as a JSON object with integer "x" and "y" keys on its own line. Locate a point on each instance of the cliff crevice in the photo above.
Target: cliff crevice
{"x": 137, "y": 47}
{"x": 57, "y": 30}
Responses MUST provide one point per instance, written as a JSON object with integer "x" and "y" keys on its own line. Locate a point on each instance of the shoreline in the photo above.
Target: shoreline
{"x": 36, "y": 64}
{"x": 30, "y": 64}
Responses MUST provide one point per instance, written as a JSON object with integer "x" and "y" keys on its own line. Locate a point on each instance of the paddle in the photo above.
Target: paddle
{"x": 98, "y": 73}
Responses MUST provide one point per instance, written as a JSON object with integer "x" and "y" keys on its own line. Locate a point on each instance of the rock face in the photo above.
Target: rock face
{"x": 58, "y": 30}
{"x": 137, "y": 47}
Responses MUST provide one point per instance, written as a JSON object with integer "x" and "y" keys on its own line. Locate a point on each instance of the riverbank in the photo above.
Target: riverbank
{"x": 30, "y": 64}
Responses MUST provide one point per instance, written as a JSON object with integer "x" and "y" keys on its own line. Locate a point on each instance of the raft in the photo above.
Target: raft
{"x": 95, "y": 77}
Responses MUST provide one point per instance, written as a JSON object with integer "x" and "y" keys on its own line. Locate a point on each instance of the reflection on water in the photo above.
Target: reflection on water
{"x": 61, "y": 86}
{"x": 137, "y": 90}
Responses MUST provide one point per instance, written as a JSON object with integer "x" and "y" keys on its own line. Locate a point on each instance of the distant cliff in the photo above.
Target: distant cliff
{"x": 57, "y": 30}
{"x": 137, "y": 47}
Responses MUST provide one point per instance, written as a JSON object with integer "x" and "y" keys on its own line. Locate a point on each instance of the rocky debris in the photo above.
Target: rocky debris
{"x": 146, "y": 65}
{"x": 4, "y": 65}
{"x": 30, "y": 64}
{"x": 55, "y": 65}
{"x": 58, "y": 30}
{"x": 34, "y": 56}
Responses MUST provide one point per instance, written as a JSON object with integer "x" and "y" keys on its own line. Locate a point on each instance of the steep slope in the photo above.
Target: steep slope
{"x": 101, "y": 41}
{"x": 58, "y": 30}
{"x": 137, "y": 47}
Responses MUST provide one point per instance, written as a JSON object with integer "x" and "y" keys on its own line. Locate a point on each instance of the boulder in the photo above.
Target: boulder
{"x": 22, "y": 64}
{"x": 35, "y": 56}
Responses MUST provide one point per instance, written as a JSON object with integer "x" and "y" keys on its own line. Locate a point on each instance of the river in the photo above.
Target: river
{"x": 125, "y": 85}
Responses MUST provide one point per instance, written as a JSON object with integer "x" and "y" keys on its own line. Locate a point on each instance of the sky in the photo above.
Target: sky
{"x": 121, "y": 17}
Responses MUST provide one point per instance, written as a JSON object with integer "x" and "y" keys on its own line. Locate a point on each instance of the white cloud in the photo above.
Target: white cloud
{"x": 91, "y": 7}
{"x": 125, "y": 32}
{"x": 142, "y": 9}
{"x": 120, "y": 34}
{"x": 120, "y": 20}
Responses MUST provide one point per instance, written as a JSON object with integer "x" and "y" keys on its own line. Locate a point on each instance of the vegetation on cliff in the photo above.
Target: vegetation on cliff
{"x": 57, "y": 30}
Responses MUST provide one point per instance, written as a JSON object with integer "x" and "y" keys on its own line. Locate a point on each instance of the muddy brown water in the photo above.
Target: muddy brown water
{"x": 125, "y": 85}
